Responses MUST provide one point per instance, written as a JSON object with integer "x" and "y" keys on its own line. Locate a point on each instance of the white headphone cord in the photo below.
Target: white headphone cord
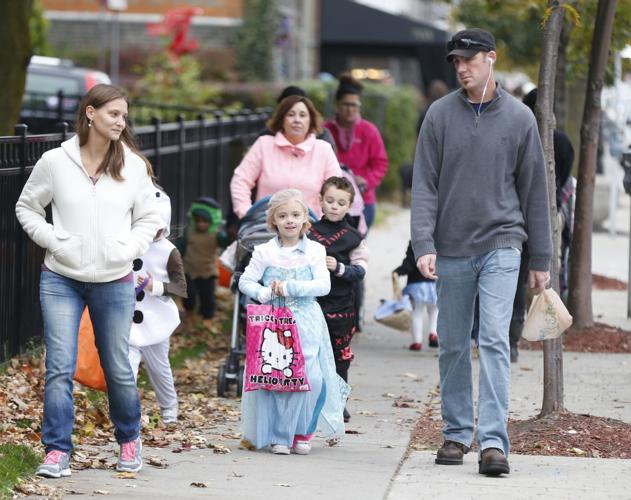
{"x": 484, "y": 90}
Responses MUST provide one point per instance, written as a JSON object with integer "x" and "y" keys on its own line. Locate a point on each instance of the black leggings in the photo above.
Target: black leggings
{"x": 205, "y": 288}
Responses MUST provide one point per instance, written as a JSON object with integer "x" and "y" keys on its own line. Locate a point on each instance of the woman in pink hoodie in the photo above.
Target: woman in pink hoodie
{"x": 359, "y": 143}
{"x": 292, "y": 158}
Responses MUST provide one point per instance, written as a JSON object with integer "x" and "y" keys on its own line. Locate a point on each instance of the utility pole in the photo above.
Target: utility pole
{"x": 115, "y": 6}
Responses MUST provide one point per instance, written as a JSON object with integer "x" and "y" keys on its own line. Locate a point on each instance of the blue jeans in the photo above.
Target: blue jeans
{"x": 493, "y": 276}
{"x": 369, "y": 213}
{"x": 111, "y": 308}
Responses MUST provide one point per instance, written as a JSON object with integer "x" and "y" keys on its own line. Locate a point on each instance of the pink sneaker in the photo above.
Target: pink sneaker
{"x": 130, "y": 457}
{"x": 55, "y": 465}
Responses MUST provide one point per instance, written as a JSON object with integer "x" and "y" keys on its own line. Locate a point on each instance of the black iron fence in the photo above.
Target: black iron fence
{"x": 192, "y": 158}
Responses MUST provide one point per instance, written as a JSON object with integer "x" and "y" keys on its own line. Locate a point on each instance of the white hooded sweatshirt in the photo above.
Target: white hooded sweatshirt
{"x": 98, "y": 229}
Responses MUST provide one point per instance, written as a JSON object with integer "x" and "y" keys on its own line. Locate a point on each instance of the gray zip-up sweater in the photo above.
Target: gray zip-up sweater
{"x": 479, "y": 182}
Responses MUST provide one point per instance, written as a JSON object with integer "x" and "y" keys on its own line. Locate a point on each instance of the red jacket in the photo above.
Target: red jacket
{"x": 365, "y": 156}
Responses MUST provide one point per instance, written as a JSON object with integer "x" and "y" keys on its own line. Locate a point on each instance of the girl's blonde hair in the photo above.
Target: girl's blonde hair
{"x": 280, "y": 198}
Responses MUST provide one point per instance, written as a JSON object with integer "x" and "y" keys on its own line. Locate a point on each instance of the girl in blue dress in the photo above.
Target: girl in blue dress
{"x": 293, "y": 267}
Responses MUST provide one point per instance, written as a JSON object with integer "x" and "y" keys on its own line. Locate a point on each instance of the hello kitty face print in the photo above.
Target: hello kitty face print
{"x": 277, "y": 351}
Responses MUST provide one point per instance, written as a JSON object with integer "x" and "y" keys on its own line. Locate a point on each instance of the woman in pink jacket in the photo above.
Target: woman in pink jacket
{"x": 359, "y": 143}
{"x": 293, "y": 158}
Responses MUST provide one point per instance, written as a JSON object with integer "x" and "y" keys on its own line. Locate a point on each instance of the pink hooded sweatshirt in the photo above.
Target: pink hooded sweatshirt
{"x": 273, "y": 164}
{"x": 362, "y": 151}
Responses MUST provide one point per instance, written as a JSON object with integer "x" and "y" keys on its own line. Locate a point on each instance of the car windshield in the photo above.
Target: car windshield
{"x": 51, "y": 84}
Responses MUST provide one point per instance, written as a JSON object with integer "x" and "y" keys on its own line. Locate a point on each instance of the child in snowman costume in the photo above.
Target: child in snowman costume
{"x": 158, "y": 275}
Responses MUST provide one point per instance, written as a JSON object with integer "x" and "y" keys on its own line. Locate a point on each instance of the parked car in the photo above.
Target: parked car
{"x": 46, "y": 78}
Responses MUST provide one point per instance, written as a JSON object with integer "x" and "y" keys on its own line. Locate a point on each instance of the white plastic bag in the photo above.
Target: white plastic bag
{"x": 547, "y": 318}
{"x": 228, "y": 257}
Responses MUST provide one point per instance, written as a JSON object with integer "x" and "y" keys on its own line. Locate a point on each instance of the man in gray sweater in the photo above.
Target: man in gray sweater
{"x": 479, "y": 191}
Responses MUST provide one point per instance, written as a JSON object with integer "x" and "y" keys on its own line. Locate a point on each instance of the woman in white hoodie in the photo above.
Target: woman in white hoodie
{"x": 104, "y": 216}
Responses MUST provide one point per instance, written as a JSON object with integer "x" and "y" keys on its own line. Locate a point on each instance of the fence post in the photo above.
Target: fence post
{"x": 15, "y": 347}
{"x": 201, "y": 157}
{"x": 63, "y": 130}
{"x": 60, "y": 106}
{"x": 180, "y": 168}
{"x": 155, "y": 121}
{"x": 219, "y": 167}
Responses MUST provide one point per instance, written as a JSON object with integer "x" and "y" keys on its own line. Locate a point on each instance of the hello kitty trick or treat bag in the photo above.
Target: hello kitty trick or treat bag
{"x": 274, "y": 359}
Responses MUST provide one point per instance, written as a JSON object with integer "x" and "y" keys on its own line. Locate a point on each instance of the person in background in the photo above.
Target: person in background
{"x": 199, "y": 248}
{"x": 293, "y": 158}
{"x": 104, "y": 216}
{"x": 359, "y": 143}
{"x": 563, "y": 161}
{"x": 324, "y": 134}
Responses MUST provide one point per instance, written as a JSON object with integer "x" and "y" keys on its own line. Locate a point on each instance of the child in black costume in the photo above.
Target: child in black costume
{"x": 347, "y": 257}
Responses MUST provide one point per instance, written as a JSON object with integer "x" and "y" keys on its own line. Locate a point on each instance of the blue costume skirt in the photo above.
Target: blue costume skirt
{"x": 269, "y": 417}
{"x": 422, "y": 292}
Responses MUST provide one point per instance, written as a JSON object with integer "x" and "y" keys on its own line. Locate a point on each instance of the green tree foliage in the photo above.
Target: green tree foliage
{"x": 39, "y": 30}
{"x": 517, "y": 25}
{"x": 255, "y": 40}
{"x": 167, "y": 80}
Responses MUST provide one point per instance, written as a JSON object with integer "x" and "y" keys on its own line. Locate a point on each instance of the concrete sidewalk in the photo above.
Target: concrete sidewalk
{"x": 372, "y": 461}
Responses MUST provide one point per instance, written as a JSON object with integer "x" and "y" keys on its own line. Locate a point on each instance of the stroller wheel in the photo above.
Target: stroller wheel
{"x": 240, "y": 381}
{"x": 222, "y": 381}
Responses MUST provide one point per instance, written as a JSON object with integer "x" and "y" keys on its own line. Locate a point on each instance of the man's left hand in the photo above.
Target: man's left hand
{"x": 537, "y": 280}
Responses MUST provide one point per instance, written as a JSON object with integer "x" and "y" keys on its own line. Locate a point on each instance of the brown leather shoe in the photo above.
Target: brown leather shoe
{"x": 493, "y": 462}
{"x": 451, "y": 453}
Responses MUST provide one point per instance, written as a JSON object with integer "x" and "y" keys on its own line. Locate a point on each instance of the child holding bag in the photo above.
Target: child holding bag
{"x": 422, "y": 292}
{"x": 293, "y": 271}
{"x": 159, "y": 274}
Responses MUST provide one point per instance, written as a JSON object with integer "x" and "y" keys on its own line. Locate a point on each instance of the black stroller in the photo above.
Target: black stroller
{"x": 252, "y": 232}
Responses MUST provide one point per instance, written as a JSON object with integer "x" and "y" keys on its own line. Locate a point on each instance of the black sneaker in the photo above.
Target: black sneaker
{"x": 493, "y": 462}
{"x": 451, "y": 453}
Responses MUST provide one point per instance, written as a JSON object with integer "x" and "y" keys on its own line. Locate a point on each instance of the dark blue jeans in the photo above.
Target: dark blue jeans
{"x": 369, "y": 213}
{"x": 111, "y": 308}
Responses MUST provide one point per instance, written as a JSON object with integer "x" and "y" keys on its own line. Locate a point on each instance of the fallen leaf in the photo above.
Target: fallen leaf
{"x": 157, "y": 461}
{"x": 219, "y": 448}
{"x": 100, "y": 492}
{"x": 283, "y": 485}
{"x": 199, "y": 484}
{"x": 577, "y": 451}
{"x": 125, "y": 475}
{"x": 247, "y": 445}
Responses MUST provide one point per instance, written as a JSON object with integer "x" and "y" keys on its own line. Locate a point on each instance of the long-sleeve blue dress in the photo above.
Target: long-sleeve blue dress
{"x": 269, "y": 417}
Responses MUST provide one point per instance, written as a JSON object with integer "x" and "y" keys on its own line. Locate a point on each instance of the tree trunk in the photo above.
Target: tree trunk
{"x": 15, "y": 53}
{"x": 552, "y": 349}
{"x": 580, "y": 288}
{"x": 560, "y": 80}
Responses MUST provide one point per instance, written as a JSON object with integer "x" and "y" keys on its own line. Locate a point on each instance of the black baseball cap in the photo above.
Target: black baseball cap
{"x": 467, "y": 43}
